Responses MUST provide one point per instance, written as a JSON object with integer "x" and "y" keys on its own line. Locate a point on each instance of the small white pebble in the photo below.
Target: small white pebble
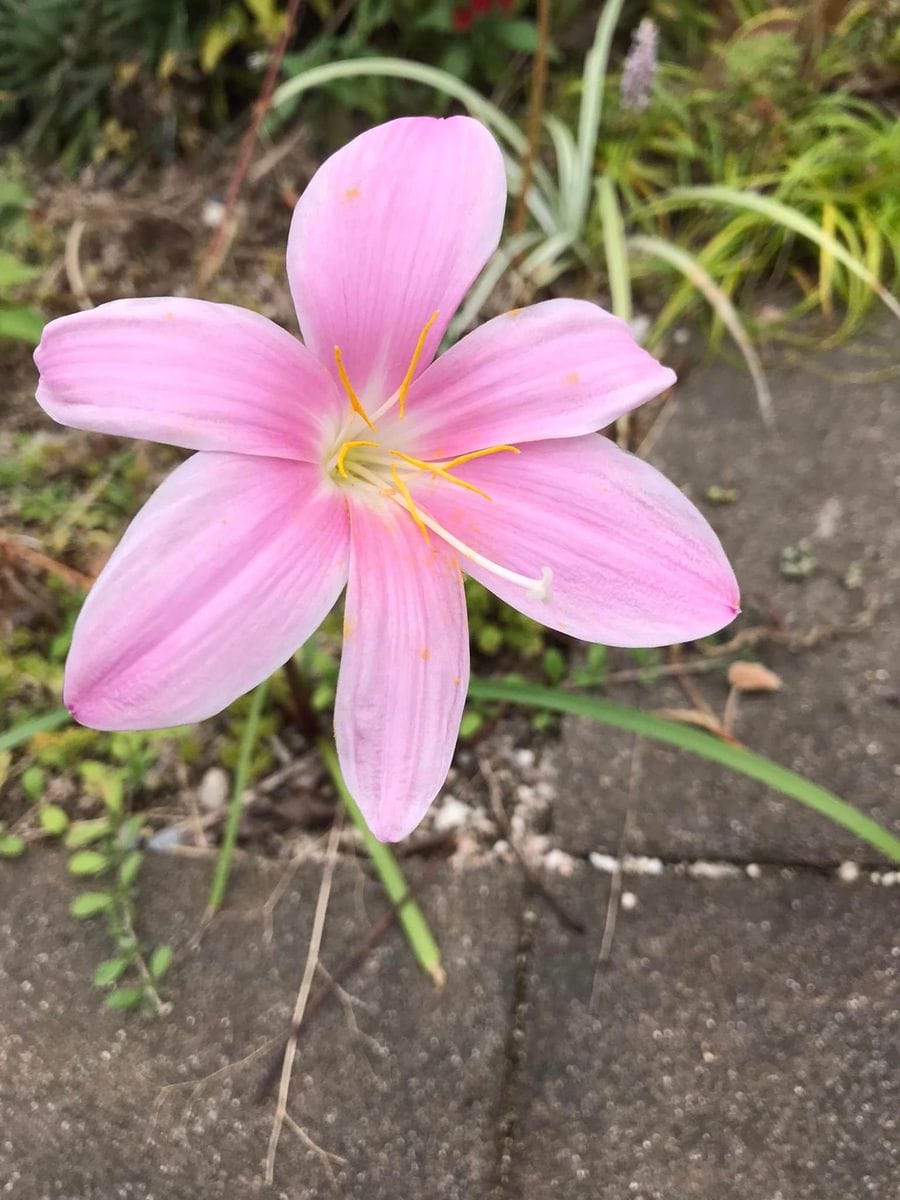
{"x": 712, "y": 870}
{"x": 754, "y": 871}
{"x": 452, "y": 814}
{"x": 213, "y": 789}
{"x": 641, "y": 864}
{"x": 558, "y": 861}
{"x": 603, "y": 862}
{"x": 629, "y": 901}
{"x": 524, "y": 758}
{"x": 848, "y": 872}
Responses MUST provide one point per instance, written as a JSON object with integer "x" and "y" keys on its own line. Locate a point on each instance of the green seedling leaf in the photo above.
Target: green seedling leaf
{"x": 126, "y": 997}
{"x": 11, "y": 845}
{"x": 53, "y": 820}
{"x": 83, "y": 833}
{"x": 160, "y": 961}
{"x": 128, "y": 871}
{"x": 88, "y": 862}
{"x": 90, "y": 904}
{"x": 111, "y": 970}
{"x": 33, "y": 782}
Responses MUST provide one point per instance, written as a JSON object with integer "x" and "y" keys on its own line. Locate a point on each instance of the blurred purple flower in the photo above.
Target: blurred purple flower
{"x": 640, "y": 67}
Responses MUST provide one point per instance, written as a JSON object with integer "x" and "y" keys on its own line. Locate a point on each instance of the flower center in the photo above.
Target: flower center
{"x": 362, "y": 461}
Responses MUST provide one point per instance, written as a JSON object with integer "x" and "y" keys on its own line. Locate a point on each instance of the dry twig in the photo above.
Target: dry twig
{"x": 309, "y": 970}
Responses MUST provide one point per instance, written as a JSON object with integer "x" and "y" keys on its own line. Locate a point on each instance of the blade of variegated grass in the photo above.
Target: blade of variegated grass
{"x": 613, "y": 228}
{"x": 746, "y": 762}
{"x": 779, "y": 214}
{"x": 543, "y": 200}
{"x": 46, "y": 723}
{"x": 496, "y": 268}
{"x": 593, "y": 82}
{"x": 225, "y": 856}
{"x": 688, "y": 265}
{"x": 410, "y": 916}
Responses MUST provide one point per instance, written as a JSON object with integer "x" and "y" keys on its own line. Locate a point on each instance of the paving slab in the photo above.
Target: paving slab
{"x": 408, "y": 1099}
{"x": 744, "y": 1044}
{"x": 829, "y": 473}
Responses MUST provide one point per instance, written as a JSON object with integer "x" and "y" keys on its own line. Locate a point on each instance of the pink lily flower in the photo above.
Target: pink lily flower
{"x": 352, "y": 459}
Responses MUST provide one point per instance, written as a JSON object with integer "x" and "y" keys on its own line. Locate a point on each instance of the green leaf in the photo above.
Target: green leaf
{"x": 160, "y": 961}
{"x": 518, "y": 35}
{"x": 83, "y": 833}
{"x": 410, "y": 916}
{"x": 788, "y": 217}
{"x": 126, "y": 997}
{"x": 614, "y": 245}
{"x": 13, "y": 271}
{"x": 33, "y": 782}
{"x": 619, "y": 716}
{"x": 111, "y": 970}
{"x": 21, "y": 324}
{"x": 128, "y": 871}
{"x": 688, "y": 265}
{"x": 232, "y": 820}
{"x": 220, "y": 36}
{"x": 88, "y": 862}
{"x": 90, "y": 904}
{"x": 471, "y": 722}
{"x": 54, "y": 820}
{"x": 19, "y": 734}
{"x": 11, "y": 845}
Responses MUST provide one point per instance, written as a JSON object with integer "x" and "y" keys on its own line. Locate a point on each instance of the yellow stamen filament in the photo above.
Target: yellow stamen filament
{"x": 436, "y": 469}
{"x": 408, "y": 377}
{"x": 464, "y": 458}
{"x": 355, "y": 402}
{"x": 345, "y": 450}
{"x": 410, "y": 503}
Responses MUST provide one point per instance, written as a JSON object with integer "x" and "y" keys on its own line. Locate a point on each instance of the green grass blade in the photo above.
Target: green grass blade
{"x": 789, "y": 218}
{"x": 619, "y": 716}
{"x": 688, "y": 265}
{"x": 46, "y": 723}
{"x": 410, "y": 916}
{"x": 229, "y": 835}
{"x": 593, "y": 82}
{"x": 615, "y": 247}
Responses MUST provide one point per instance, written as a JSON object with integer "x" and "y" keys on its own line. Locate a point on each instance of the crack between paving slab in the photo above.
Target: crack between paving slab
{"x": 514, "y": 1052}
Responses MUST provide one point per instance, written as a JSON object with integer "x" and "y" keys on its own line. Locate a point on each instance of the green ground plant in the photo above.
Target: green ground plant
{"x": 810, "y": 201}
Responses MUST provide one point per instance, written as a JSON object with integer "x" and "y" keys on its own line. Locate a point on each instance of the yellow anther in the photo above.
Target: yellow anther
{"x": 464, "y": 458}
{"x": 410, "y": 504}
{"x": 437, "y": 469}
{"x": 345, "y": 450}
{"x": 355, "y": 403}
{"x": 408, "y": 377}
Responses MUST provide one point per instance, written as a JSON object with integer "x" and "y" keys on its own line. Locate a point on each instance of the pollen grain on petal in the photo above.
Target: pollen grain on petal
{"x": 572, "y": 377}
{"x": 352, "y": 193}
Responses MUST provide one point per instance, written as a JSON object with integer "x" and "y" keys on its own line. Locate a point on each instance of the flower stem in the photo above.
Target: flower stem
{"x": 229, "y": 837}
{"x": 410, "y": 916}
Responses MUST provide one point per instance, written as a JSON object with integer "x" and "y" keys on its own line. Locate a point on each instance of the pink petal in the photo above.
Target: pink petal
{"x": 557, "y": 369}
{"x": 393, "y": 227}
{"x": 404, "y": 669}
{"x": 228, "y": 568}
{"x": 205, "y": 376}
{"x": 634, "y": 562}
